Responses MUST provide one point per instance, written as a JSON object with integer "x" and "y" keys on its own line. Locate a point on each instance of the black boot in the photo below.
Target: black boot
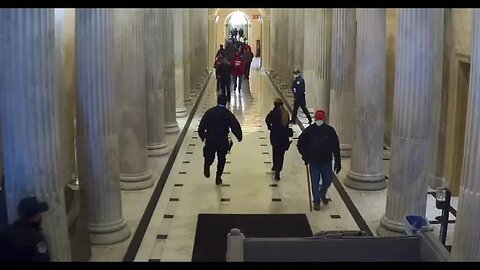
{"x": 277, "y": 176}
{"x": 218, "y": 180}
{"x": 206, "y": 171}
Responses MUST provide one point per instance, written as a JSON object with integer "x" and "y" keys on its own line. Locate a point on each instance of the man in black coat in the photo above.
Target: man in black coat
{"x": 23, "y": 241}
{"x": 317, "y": 144}
{"x": 298, "y": 89}
{"x": 224, "y": 72}
{"x": 214, "y": 128}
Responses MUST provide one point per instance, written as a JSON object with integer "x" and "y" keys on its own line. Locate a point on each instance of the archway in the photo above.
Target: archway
{"x": 239, "y": 20}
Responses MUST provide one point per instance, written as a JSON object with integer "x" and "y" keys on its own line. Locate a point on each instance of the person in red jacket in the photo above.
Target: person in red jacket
{"x": 238, "y": 70}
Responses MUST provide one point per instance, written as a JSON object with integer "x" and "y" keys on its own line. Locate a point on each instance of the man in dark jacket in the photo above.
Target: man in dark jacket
{"x": 248, "y": 60}
{"x": 220, "y": 52}
{"x": 317, "y": 144}
{"x": 224, "y": 72}
{"x": 23, "y": 241}
{"x": 214, "y": 127}
{"x": 298, "y": 89}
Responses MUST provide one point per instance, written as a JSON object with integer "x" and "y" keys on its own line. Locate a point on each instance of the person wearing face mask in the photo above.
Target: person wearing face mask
{"x": 298, "y": 89}
{"x": 277, "y": 123}
{"x": 317, "y": 144}
{"x": 23, "y": 240}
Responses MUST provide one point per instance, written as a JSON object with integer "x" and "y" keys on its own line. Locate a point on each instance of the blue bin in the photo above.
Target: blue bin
{"x": 416, "y": 225}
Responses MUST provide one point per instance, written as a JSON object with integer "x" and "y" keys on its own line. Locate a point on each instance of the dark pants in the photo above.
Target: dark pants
{"x": 247, "y": 70}
{"x": 225, "y": 87}
{"x": 317, "y": 172}
{"x": 221, "y": 149}
{"x": 239, "y": 78}
{"x": 278, "y": 156}
{"x": 218, "y": 83}
{"x": 301, "y": 104}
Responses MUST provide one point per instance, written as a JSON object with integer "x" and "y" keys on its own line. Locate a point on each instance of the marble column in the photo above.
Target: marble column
{"x": 291, "y": 43}
{"x": 415, "y": 71}
{"x": 265, "y": 43}
{"x": 156, "y": 141}
{"x": 29, "y": 121}
{"x": 342, "y": 95}
{"x": 299, "y": 41}
{"x": 178, "y": 33}
{"x": 171, "y": 125}
{"x": 323, "y": 55}
{"x": 212, "y": 41}
{"x": 366, "y": 171}
{"x": 310, "y": 61}
{"x": 466, "y": 238}
{"x": 186, "y": 60}
{"x": 130, "y": 84}
{"x": 97, "y": 137}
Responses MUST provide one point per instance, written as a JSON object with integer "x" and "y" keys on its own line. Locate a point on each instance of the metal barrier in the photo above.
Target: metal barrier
{"x": 335, "y": 247}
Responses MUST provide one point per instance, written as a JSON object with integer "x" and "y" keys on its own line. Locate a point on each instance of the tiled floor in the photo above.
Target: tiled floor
{"x": 248, "y": 185}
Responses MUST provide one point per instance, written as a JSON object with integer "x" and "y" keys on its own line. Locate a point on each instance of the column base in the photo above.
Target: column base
{"x": 365, "y": 182}
{"x": 172, "y": 128}
{"x": 181, "y": 112}
{"x": 157, "y": 149}
{"x": 188, "y": 101}
{"x": 138, "y": 181}
{"x": 390, "y": 228}
{"x": 110, "y": 233}
{"x": 345, "y": 150}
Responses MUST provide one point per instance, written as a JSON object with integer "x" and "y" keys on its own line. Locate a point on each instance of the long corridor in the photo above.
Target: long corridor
{"x": 248, "y": 185}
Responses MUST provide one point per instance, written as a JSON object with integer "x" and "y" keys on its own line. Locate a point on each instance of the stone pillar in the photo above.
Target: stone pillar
{"x": 265, "y": 43}
{"x": 156, "y": 141}
{"x": 466, "y": 237}
{"x": 323, "y": 56}
{"x": 171, "y": 125}
{"x": 186, "y": 64}
{"x": 130, "y": 83}
{"x": 178, "y": 33}
{"x": 299, "y": 43}
{"x": 212, "y": 41}
{"x": 366, "y": 171}
{"x": 29, "y": 121}
{"x": 97, "y": 136}
{"x": 310, "y": 59}
{"x": 342, "y": 95}
{"x": 415, "y": 74}
{"x": 291, "y": 43}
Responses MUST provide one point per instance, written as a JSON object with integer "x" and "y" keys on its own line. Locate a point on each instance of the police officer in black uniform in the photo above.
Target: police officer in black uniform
{"x": 214, "y": 127}
{"x": 23, "y": 240}
{"x": 298, "y": 89}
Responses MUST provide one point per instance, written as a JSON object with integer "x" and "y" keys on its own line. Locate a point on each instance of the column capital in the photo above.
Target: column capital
{"x": 265, "y": 17}
{"x": 212, "y": 17}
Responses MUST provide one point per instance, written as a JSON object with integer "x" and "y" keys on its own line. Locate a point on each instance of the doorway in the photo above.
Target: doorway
{"x": 239, "y": 20}
{"x": 461, "y": 106}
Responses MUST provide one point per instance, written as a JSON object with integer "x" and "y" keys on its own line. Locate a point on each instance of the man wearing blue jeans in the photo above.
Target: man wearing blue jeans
{"x": 317, "y": 144}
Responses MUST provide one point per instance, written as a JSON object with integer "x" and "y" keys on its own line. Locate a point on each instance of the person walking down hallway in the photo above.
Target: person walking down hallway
{"x": 238, "y": 70}
{"x": 277, "y": 123}
{"x": 224, "y": 73}
{"x": 317, "y": 144}
{"x": 248, "y": 60}
{"x": 214, "y": 128}
{"x": 220, "y": 52}
{"x": 216, "y": 66}
{"x": 298, "y": 89}
{"x": 23, "y": 241}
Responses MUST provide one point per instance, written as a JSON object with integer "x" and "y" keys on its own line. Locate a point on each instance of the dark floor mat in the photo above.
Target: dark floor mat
{"x": 211, "y": 234}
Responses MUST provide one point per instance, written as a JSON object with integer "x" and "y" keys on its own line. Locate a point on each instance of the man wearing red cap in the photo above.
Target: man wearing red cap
{"x": 317, "y": 144}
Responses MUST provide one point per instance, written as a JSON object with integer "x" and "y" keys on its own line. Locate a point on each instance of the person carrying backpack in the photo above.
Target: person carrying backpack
{"x": 317, "y": 144}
